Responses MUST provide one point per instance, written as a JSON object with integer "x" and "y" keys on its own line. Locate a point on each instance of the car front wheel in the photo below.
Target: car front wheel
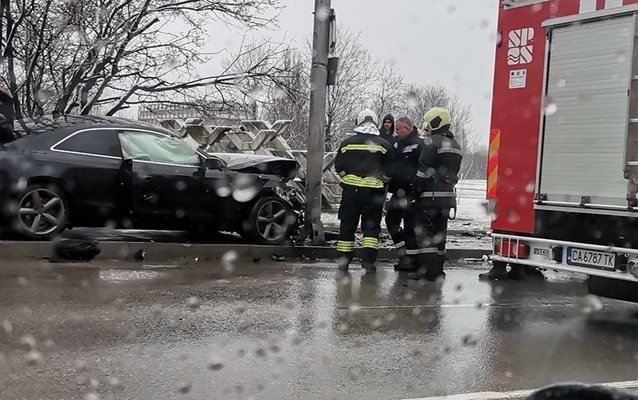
{"x": 269, "y": 221}
{"x": 42, "y": 212}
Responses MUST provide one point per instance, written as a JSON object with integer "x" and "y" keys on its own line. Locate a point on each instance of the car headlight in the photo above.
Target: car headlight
{"x": 279, "y": 191}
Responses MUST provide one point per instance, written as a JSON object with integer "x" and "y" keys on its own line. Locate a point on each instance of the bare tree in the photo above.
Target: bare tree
{"x": 277, "y": 71}
{"x": 70, "y": 56}
{"x": 289, "y": 98}
{"x": 355, "y": 88}
{"x": 287, "y": 95}
{"x": 390, "y": 90}
{"x": 421, "y": 98}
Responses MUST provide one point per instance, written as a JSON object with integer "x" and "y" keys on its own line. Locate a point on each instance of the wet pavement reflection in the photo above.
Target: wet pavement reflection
{"x": 273, "y": 330}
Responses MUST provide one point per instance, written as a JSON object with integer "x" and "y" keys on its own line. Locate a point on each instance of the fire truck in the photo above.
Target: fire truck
{"x": 563, "y": 151}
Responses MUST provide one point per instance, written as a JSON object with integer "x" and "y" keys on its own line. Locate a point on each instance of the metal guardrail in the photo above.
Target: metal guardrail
{"x": 258, "y": 137}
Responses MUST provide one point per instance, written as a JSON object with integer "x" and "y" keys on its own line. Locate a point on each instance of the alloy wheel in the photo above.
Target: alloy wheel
{"x": 271, "y": 221}
{"x": 41, "y": 212}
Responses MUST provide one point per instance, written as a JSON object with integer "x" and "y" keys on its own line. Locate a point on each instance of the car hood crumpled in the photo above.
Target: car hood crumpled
{"x": 261, "y": 164}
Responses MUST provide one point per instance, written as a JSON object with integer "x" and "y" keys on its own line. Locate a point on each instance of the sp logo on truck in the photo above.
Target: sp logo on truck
{"x": 520, "y": 48}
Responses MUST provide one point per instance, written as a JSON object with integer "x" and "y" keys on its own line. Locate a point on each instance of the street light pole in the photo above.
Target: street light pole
{"x": 317, "y": 125}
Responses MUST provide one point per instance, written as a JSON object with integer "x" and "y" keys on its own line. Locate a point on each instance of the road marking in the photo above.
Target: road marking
{"x": 518, "y": 394}
{"x": 432, "y": 306}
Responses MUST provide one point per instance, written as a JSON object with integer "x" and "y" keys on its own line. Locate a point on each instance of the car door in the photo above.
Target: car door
{"x": 167, "y": 181}
{"x": 92, "y": 159}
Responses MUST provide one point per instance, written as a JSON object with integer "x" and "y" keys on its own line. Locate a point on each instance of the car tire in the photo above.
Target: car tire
{"x": 268, "y": 221}
{"x": 42, "y": 212}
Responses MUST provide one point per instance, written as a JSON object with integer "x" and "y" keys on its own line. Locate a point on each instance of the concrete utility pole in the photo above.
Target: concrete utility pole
{"x": 316, "y": 137}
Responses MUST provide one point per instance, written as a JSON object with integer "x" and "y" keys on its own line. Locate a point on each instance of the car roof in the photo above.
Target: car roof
{"x": 47, "y": 124}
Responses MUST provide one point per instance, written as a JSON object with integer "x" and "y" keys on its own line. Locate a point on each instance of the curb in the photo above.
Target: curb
{"x": 165, "y": 252}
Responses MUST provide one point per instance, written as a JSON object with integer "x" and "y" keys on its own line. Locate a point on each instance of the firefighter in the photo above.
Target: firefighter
{"x": 363, "y": 163}
{"x": 402, "y": 187}
{"x": 439, "y": 164}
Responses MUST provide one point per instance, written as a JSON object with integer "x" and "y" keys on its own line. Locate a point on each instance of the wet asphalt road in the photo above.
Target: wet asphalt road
{"x": 297, "y": 330}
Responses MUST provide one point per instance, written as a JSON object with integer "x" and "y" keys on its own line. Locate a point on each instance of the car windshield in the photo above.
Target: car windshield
{"x": 156, "y": 147}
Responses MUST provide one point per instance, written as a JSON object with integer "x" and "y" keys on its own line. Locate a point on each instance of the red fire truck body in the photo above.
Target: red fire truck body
{"x": 563, "y": 158}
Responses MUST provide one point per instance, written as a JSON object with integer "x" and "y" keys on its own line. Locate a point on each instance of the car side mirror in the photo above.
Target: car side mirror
{"x": 214, "y": 163}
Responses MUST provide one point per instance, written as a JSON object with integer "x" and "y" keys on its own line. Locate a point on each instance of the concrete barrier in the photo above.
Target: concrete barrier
{"x": 176, "y": 252}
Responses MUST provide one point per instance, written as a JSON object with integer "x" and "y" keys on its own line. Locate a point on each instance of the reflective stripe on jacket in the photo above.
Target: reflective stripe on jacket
{"x": 364, "y": 160}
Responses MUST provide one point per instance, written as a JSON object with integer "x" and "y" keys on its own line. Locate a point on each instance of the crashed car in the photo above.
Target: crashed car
{"x": 78, "y": 171}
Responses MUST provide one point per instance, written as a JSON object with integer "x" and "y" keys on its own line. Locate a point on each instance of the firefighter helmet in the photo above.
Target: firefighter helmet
{"x": 436, "y": 118}
{"x": 367, "y": 115}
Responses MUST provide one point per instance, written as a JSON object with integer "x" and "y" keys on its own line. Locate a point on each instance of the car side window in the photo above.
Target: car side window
{"x": 94, "y": 142}
{"x": 148, "y": 146}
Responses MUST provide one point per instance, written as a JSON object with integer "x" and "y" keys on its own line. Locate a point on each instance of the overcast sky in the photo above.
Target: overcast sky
{"x": 432, "y": 41}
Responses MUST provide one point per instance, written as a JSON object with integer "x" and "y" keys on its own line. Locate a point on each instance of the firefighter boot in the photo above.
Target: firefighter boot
{"x": 421, "y": 273}
{"x": 344, "y": 260}
{"x": 369, "y": 266}
{"x": 497, "y": 273}
{"x": 430, "y": 268}
{"x": 435, "y": 271}
{"x": 406, "y": 264}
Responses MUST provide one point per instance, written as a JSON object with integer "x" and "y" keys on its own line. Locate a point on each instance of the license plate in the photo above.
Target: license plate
{"x": 588, "y": 258}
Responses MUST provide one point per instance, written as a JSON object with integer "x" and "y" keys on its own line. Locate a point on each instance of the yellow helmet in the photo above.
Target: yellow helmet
{"x": 436, "y": 118}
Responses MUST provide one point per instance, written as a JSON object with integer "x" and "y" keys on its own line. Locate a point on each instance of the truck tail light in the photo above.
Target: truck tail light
{"x": 511, "y": 248}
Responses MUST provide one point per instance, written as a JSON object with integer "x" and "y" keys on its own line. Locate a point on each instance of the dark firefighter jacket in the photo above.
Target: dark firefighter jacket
{"x": 405, "y": 163}
{"x": 364, "y": 159}
{"x": 439, "y": 165}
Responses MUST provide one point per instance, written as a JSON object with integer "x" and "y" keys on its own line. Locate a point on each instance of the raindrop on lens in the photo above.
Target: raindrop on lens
{"x": 33, "y": 358}
{"x": 184, "y": 387}
{"x": 215, "y": 362}
{"x": 591, "y": 304}
{"x": 549, "y": 106}
{"x": 323, "y": 13}
{"x": 223, "y": 191}
{"x": 621, "y": 57}
{"x": 115, "y": 382}
{"x": 228, "y": 260}
{"x": 255, "y": 93}
{"x": 194, "y": 302}
{"x": 7, "y": 326}
{"x": 28, "y": 340}
{"x": 469, "y": 340}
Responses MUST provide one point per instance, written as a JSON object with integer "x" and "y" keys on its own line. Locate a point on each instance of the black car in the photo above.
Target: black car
{"x": 103, "y": 171}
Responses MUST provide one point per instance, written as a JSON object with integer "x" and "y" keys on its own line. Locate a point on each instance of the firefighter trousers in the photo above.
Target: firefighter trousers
{"x": 430, "y": 230}
{"x": 401, "y": 210}
{"x": 365, "y": 205}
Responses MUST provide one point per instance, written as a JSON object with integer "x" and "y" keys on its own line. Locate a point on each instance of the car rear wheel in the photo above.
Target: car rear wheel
{"x": 268, "y": 222}
{"x": 42, "y": 212}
